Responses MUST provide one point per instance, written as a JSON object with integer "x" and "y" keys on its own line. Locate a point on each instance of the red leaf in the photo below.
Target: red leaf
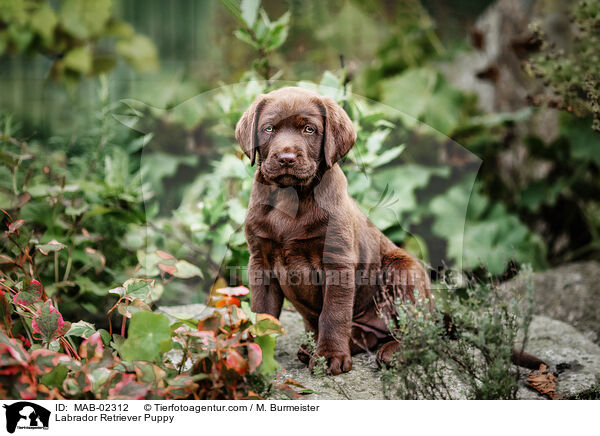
{"x": 236, "y": 362}
{"x": 254, "y": 356}
{"x": 15, "y": 226}
{"x": 228, "y": 301}
{"x": 164, "y": 254}
{"x": 169, "y": 269}
{"x": 48, "y": 322}
{"x": 31, "y": 293}
{"x": 26, "y": 386}
{"x": 15, "y": 350}
{"x": 213, "y": 322}
{"x": 26, "y": 342}
{"x": 10, "y": 370}
{"x": 128, "y": 389}
{"x": 92, "y": 347}
{"x": 205, "y": 336}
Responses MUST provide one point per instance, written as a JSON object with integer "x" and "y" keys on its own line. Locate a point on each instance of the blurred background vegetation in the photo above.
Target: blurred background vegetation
{"x": 477, "y": 144}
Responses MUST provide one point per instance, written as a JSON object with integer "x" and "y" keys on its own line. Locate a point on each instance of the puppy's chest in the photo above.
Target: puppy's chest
{"x": 283, "y": 226}
{"x": 294, "y": 257}
{"x": 290, "y": 242}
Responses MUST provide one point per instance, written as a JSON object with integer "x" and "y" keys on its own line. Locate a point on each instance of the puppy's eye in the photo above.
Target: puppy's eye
{"x": 268, "y": 129}
{"x": 308, "y": 130}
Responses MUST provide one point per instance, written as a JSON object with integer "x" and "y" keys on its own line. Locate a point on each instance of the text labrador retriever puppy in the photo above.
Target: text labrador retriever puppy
{"x": 308, "y": 240}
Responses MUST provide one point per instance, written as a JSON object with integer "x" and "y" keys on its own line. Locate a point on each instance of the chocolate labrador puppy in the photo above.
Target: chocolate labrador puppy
{"x": 309, "y": 242}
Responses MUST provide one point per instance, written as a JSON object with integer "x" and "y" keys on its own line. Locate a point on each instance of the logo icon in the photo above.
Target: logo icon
{"x": 26, "y": 415}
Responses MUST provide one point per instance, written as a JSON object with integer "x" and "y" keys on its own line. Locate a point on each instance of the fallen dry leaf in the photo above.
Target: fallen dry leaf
{"x": 543, "y": 381}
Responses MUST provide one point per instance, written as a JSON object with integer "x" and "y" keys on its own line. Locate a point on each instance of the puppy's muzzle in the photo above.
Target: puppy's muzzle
{"x": 287, "y": 159}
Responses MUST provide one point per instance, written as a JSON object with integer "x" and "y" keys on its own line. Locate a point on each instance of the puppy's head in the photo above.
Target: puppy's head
{"x": 294, "y": 132}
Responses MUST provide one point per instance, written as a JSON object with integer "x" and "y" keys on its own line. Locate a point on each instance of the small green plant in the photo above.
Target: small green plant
{"x": 320, "y": 363}
{"x": 467, "y": 354}
{"x": 258, "y": 31}
{"x": 320, "y": 368}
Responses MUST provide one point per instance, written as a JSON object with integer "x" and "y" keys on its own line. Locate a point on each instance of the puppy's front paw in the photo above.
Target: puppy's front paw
{"x": 337, "y": 362}
{"x": 385, "y": 354}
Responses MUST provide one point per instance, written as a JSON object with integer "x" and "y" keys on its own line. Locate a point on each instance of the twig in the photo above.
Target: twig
{"x": 55, "y": 266}
{"x": 339, "y": 388}
{"x": 123, "y": 325}
{"x": 69, "y": 262}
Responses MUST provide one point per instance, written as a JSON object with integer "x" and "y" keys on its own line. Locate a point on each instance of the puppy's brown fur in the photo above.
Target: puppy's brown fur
{"x": 309, "y": 242}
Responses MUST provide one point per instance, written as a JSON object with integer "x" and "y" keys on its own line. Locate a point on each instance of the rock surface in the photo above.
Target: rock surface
{"x": 362, "y": 383}
{"x": 576, "y": 358}
{"x": 557, "y": 343}
{"x": 569, "y": 293}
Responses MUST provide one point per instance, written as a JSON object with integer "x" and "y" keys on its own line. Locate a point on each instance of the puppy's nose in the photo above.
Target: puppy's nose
{"x": 286, "y": 159}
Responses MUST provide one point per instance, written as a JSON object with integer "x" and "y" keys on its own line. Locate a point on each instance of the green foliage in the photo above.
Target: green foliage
{"x": 72, "y": 216}
{"x": 72, "y": 36}
{"x": 489, "y": 236}
{"x": 258, "y": 31}
{"x": 148, "y": 337}
{"x": 267, "y": 344}
{"x": 424, "y": 96}
{"x": 560, "y": 197}
{"x": 411, "y": 42}
{"x": 224, "y": 354}
{"x": 462, "y": 348}
{"x": 571, "y": 73}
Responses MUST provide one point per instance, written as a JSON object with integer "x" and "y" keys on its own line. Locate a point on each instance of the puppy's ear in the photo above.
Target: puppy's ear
{"x": 339, "y": 133}
{"x": 246, "y": 130}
